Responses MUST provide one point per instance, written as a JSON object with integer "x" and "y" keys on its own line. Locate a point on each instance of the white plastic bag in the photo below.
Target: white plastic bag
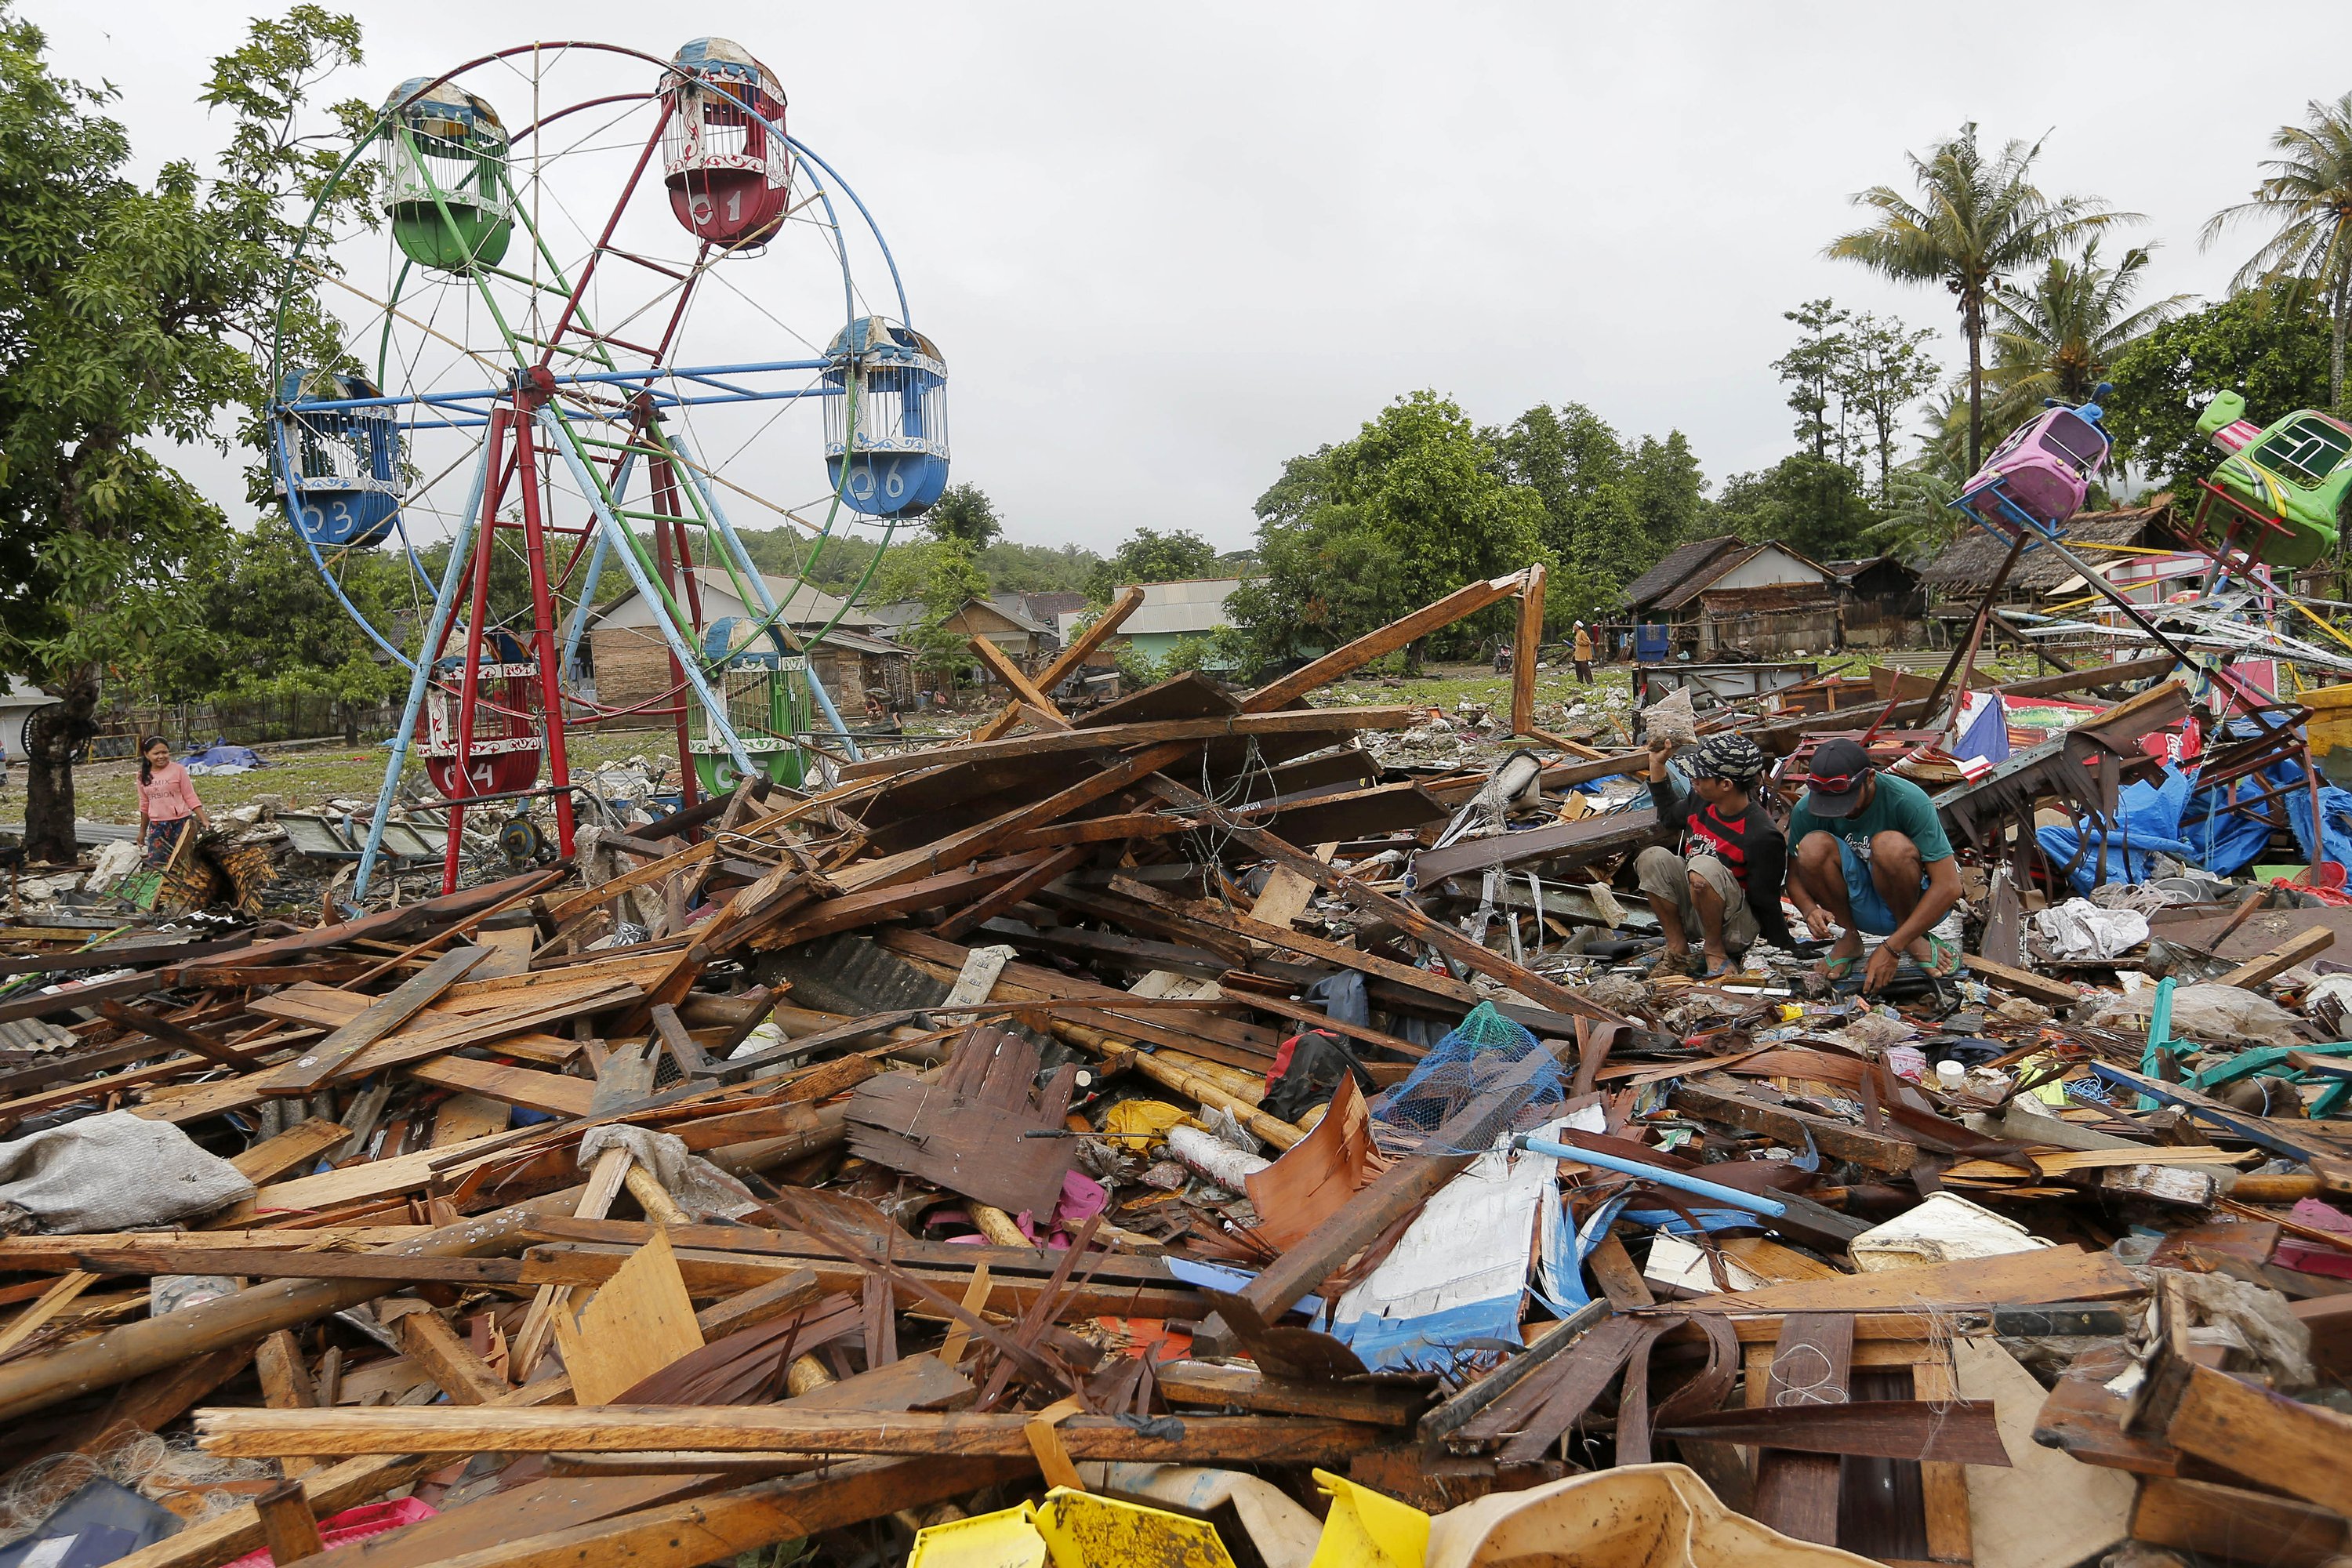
{"x": 2078, "y": 930}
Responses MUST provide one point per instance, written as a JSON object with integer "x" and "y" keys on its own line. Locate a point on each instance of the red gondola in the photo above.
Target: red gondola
{"x": 729, "y": 174}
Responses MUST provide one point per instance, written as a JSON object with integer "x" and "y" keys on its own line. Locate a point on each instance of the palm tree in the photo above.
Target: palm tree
{"x": 1919, "y": 522}
{"x": 2058, "y": 338}
{"x": 2308, "y": 198}
{"x": 1976, "y": 219}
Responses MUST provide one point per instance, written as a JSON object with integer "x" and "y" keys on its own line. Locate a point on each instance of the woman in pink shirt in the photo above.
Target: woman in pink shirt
{"x": 167, "y": 799}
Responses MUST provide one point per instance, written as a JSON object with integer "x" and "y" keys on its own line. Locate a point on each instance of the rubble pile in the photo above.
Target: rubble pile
{"x": 1220, "y": 1127}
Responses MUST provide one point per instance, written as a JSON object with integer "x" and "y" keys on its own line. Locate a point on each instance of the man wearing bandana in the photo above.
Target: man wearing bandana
{"x": 1722, "y": 879}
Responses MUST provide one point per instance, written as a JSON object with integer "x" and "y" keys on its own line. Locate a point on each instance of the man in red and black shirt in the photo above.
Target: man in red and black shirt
{"x": 1723, "y": 877}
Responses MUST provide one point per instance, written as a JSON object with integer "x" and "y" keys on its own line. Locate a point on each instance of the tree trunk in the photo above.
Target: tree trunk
{"x": 1412, "y": 653}
{"x": 52, "y": 738}
{"x": 2336, "y": 343}
{"x": 1972, "y": 324}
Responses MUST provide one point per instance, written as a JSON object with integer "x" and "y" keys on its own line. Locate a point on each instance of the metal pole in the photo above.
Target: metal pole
{"x": 542, "y": 634}
{"x": 1768, "y": 1207}
{"x": 471, "y": 683}
{"x": 444, "y": 606}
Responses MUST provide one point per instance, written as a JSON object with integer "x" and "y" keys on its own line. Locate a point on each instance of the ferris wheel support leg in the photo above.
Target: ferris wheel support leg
{"x": 726, "y": 532}
{"x": 542, "y": 632}
{"x": 445, "y": 607}
{"x": 477, "y": 638}
{"x": 627, "y": 554}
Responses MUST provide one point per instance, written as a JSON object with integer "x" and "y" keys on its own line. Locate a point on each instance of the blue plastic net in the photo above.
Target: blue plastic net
{"x": 1485, "y": 1046}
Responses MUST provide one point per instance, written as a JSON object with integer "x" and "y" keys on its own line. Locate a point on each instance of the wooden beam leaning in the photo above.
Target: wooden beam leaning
{"x": 1525, "y": 648}
{"x": 1068, "y": 662}
{"x": 1012, "y": 890}
{"x": 318, "y": 1064}
{"x": 1467, "y": 600}
{"x": 1016, "y": 679}
{"x": 1154, "y": 732}
{"x": 752, "y": 1428}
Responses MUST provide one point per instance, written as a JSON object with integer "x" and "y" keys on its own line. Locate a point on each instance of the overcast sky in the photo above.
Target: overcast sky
{"x": 1163, "y": 248}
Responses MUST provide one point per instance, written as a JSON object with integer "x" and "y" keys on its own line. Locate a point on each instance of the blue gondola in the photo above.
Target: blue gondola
{"x": 343, "y": 463}
{"x": 897, "y": 464}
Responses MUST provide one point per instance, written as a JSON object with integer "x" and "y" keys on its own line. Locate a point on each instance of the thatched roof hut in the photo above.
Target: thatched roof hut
{"x": 1970, "y": 563}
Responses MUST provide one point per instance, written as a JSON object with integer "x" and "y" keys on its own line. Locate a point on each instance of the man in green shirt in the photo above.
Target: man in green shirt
{"x": 1867, "y": 854}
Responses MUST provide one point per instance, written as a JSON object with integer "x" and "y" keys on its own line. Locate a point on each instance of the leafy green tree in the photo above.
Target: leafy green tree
{"x": 1416, "y": 506}
{"x": 1669, "y": 493}
{"x": 964, "y": 512}
{"x": 2265, "y": 343}
{"x": 1305, "y": 484}
{"x": 2061, "y": 337}
{"x": 1150, "y": 556}
{"x": 275, "y": 630}
{"x": 1884, "y": 370}
{"x": 950, "y": 579}
{"x": 1976, "y": 219}
{"x": 2306, "y": 202}
{"x": 1575, "y": 466}
{"x": 1039, "y": 568}
{"x": 1815, "y": 507}
{"x": 1812, "y": 369}
{"x": 133, "y": 315}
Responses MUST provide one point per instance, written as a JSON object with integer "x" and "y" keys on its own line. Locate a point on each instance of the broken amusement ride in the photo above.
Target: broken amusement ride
{"x": 585, "y": 337}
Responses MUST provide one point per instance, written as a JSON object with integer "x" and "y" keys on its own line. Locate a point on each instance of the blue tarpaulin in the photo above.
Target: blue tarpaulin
{"x": 2204, "y": 827}
{"x": 220, "y": 757}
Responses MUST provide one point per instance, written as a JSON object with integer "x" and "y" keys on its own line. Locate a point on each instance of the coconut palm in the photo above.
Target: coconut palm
{"x": 1919, "y": 522}
{"x": 2058, "y": 338}
{"x": 1978, "y": 219}
{"x": 2307, "y": 199}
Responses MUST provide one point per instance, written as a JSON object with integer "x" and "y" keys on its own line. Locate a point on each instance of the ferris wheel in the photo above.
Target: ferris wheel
{"x": 608, "y": 303}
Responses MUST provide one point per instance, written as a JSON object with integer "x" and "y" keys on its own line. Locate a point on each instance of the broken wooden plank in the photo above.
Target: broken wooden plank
{"x": 1796, "y": 1492}
{"x": 1837, "y": 1138}
{"x": 1467, "y": 600}
{"x": 553, "y": 1092}
{"x": 1207, "y": 1383}
{"x": 966, "y": 1132}
{"x": 2308, "y": 944}
{"x": 2023, "y": 982}
{"x": 2047, "y": 1274}
{"x": 1955, "y": 1431}
{"x": 640, "y": 1322}
{"x": 297, "y": 1145}
{"x": 1116, "y": 737}
{"x": 2300, "y": 1449}
{"x": 318, "y": 1064}
{"x": 2240, "y": 1526}
{"x": 781, "y": 1428}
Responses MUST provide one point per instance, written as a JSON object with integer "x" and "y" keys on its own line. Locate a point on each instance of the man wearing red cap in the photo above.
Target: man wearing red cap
{"x": 1869, "y": 854}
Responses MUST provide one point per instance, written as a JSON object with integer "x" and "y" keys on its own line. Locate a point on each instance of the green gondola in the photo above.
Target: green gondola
{"x": 445, "y": 161}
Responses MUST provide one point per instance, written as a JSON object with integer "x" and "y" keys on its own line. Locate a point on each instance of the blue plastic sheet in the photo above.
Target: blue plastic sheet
{"x": 2148, "y": 824}
{"x": 220, "y": 757}
{"x": 2229, "y": 839}
{"x": 2202, "y": 827}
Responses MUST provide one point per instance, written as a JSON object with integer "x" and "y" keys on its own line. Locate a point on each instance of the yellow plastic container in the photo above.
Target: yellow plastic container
{"x": 2330, "y": 731}
{"x": 1005, "y": 1539}
{"x": 1083, "y": 1530}
{"x": 1365, "y": 1529}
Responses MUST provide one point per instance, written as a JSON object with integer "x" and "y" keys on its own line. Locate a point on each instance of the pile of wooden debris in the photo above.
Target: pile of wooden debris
{"x": 1166, "y": 1110}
